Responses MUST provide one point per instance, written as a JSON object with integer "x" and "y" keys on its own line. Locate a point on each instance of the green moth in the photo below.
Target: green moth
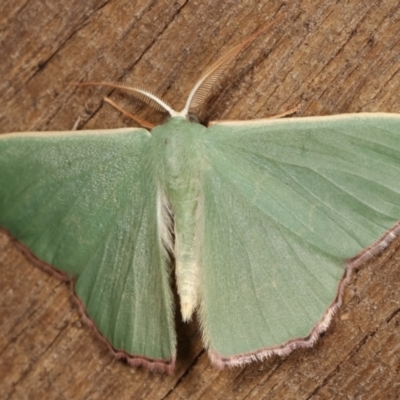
{"x": 265, "y": 221}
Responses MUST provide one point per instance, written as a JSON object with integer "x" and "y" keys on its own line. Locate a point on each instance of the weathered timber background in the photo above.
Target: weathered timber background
{"x": 329, "y": 56}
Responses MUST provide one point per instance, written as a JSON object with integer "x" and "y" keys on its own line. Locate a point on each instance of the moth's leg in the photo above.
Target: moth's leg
{"x": 140, "y": 121}
{"x": 76, "y": 124}
{"x": 280, "y": 115}
{"x": 285, "y": 113}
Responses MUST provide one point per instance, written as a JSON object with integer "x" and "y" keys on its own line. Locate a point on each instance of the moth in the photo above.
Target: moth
{"x": 265, "y": 220}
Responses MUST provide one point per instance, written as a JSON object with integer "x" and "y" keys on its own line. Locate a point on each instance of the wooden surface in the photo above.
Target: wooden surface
{"x": 328, "y": 56}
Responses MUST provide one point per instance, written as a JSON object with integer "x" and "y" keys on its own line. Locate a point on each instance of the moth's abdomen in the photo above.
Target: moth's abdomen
{"x": 188, "y": 231}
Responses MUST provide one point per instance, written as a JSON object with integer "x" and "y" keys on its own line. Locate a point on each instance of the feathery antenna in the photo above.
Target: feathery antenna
{"x": 203, "y": 86}
{"x": 143, "y": 95}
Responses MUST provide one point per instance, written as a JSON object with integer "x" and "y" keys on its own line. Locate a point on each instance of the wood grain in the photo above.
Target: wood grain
{"x": 328, "y": 56}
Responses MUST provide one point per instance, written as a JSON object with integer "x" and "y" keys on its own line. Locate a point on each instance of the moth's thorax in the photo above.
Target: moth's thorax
{"x": 179, "y": 144}
{"x": 180, "y": 161}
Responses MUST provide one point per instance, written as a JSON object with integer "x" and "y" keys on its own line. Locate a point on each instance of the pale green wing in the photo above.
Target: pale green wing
{"x": 86, "y": 203}
{"x": 290, "y": 207}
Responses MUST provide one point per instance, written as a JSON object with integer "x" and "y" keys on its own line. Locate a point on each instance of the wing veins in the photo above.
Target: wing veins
{"x": 252, "y": 276}
{"x": 351, "y": 150}
{"x": 130, "y": 270}
{"x": 357, "y": 199}
{"x": 305, "y": 265}
{"x": 369, "y": 140}
{"x": 283, "y": 297}
{"x": 239, "y": 235}
{"x": 321, "y": 202}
